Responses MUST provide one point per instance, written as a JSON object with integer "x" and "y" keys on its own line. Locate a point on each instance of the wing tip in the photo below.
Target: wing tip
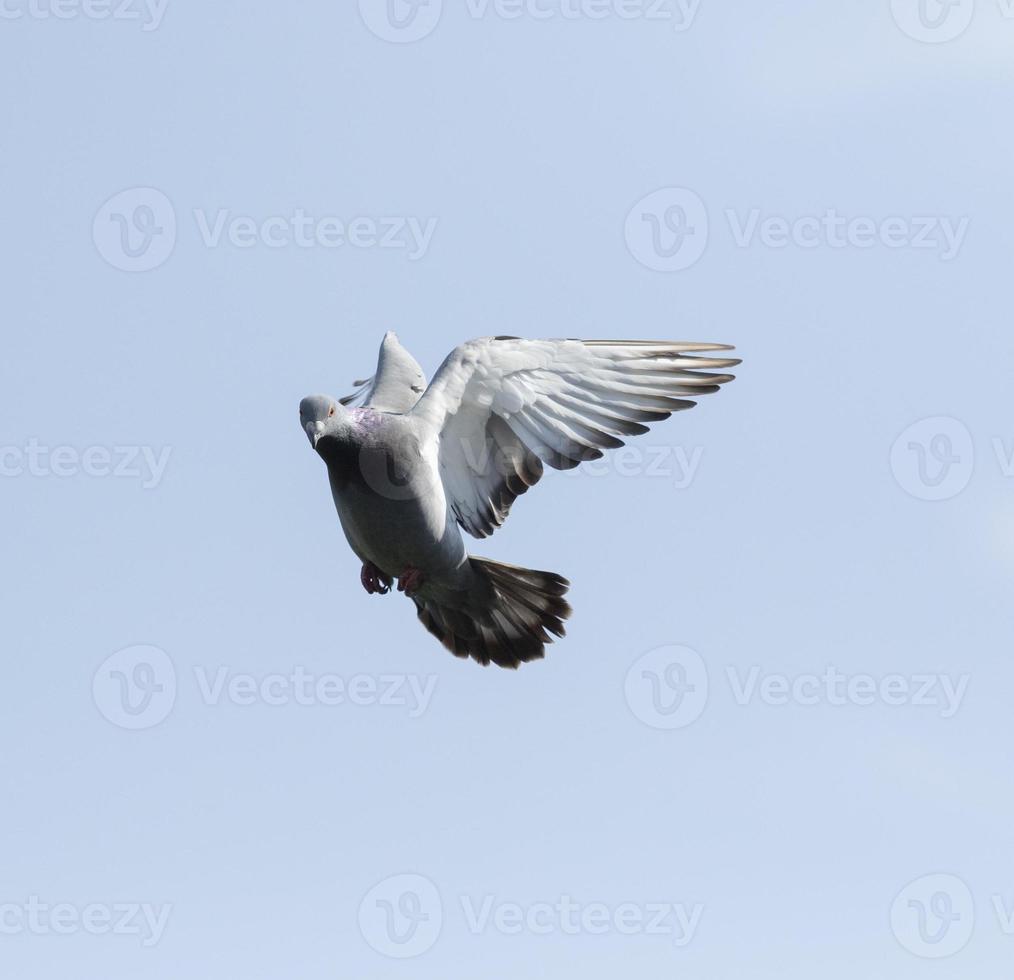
{"x": 675, "y": 345}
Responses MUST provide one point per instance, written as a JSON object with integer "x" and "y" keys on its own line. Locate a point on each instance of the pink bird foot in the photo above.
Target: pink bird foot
{"x": 410, "y": 581}
{"x": 374, "y": 580}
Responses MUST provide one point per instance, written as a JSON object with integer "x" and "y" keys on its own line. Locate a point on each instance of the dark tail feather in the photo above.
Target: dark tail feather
{"x": 507, "y": 616}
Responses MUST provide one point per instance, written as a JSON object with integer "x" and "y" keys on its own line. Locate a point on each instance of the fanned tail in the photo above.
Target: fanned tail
{"x": 506, "y": 616}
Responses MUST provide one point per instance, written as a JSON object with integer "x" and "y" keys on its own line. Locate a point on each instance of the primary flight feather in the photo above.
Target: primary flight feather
{"x": 410, "y": 465}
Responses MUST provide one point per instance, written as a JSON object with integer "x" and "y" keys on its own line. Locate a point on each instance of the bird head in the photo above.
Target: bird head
{"x": 319, "y": 416}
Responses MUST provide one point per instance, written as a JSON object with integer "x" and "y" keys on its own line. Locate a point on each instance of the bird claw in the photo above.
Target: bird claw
{"x": 373, "y": 579}
{"x": 410, "y": 581}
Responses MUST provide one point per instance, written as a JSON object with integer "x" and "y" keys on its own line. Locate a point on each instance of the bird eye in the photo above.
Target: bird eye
{"x": 330, "y": 412}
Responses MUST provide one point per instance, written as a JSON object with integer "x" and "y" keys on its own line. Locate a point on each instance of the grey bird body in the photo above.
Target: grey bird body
{"x": 411, "y": 466}
{"x": 390, "y": 500}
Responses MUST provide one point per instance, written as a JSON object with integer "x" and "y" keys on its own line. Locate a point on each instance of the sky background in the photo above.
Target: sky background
{"x": 654, "y": 756}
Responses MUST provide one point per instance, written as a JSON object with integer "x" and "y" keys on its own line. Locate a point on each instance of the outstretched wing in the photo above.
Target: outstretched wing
{"x": 398, "y": 383}
{"x": 502, "y": 406}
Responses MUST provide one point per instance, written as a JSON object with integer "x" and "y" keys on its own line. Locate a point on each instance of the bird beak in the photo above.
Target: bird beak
{"x": 314, "y": 430}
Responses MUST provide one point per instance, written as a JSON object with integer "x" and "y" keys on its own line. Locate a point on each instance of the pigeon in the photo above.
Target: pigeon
{"x": 413, "y": 465}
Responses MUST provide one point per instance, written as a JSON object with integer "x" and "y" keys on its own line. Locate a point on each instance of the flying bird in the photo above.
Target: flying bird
{"x": 411, "y": 465}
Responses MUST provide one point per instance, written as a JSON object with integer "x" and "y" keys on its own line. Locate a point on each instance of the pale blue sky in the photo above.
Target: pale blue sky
{"x": 500, "y": 166}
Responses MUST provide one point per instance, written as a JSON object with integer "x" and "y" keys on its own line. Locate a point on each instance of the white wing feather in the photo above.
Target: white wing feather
{"x": 396, "y": 386}
{"x": 500, "y": 406}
